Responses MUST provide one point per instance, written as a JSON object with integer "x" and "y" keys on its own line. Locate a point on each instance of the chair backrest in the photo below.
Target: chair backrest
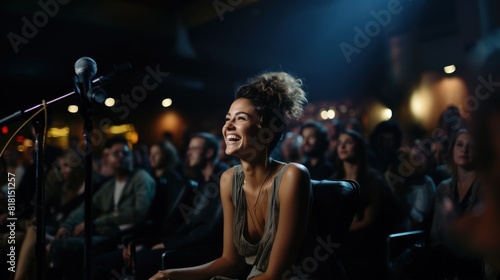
{"x": 333, "y": 208}
{"x": 162, "y": 213}
{"x": 406, "y": 254}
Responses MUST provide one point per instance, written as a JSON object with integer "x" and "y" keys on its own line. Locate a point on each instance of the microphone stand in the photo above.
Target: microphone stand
{"x": 87, "y": 113}
{"x": 39, "y": 126}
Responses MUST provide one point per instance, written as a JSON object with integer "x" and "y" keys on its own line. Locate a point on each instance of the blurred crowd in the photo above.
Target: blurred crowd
{"x": 444, "y": 184}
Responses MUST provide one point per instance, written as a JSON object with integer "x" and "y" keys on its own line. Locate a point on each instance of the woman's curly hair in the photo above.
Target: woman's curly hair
{"x": 278, "y": 98}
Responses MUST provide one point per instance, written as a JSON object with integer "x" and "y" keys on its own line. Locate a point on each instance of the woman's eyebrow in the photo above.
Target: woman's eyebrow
{"x": 239, "y": 113}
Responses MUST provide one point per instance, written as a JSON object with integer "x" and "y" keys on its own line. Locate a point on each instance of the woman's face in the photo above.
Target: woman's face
{"x": 241, "y": 129}
{"x": 346, "y": 147}
{"x": 155, "y": 156}
{"x": 463, "y": 150}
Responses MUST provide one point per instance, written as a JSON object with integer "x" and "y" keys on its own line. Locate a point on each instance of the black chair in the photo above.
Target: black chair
{"x": 406, "y": 255}
{"x": 333, "y": 209}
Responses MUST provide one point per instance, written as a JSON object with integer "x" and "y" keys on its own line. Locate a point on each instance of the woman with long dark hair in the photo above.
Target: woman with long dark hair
{"x": 363, "y": 251}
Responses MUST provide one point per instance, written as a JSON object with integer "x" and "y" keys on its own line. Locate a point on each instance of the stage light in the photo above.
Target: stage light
{"x": 110, "y": 102}
{"x": 166, "y": 102}
{"x": 324, "y": 114}
{"x": 450, "y": 69}
{"x": 386, "y": 114}
{"x": 330, "y": 114}
{"x": 73, "y": 109}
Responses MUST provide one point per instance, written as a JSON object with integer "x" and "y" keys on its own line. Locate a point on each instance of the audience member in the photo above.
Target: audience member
{"x": 334, "y": 127}
{"x": 461, "y": 192}
{"x": 290, "y": 147}
{"x": 163, "y": 160}
{"x": 70, "y": 184}
{"x": 363, "y": 252}
{"x": 408, "y": 179}
{"x": 385, "y": 141}
{"x": 476, "y": 233}
{"x": 439, "y": 147}
{"x": 314, "y": 145}
{"x": 122, "y": 203}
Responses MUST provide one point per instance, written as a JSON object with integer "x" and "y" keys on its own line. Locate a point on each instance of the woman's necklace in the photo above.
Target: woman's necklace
{"x": 253, "y": 210}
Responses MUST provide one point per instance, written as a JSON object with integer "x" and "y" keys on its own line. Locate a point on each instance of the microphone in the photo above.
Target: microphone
{"x": 85, "y": 70}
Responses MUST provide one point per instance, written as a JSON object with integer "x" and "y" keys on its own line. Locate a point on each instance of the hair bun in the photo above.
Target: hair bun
{"x": 282, "y": 91}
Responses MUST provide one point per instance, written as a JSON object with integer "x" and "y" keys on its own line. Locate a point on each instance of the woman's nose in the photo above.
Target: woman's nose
{"x": 229, "y": 125}
{"x": 467, "y": 148}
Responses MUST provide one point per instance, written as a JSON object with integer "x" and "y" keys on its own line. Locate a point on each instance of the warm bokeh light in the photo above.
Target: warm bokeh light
{"x": 330, "y": 114}
{"x": 58, "y": 132}
{"x": 324, "y": 114}
{"x": 28, "y": 142}
{"x": 133, "y": 137}
{"x": 110, "y": 102}
{"x": 121, "y": 129}
{"x": 126, "y": 130}
{"x": 420, "y": 104}
{"x": 450, "y": 69}
{"x": 166, "y": 102}
{"x": 386, "y": 114}
{"x": 5, "y": 129}
{"x": 73, "y": 109}
{"x": 173, "y": 123}
{"x": 376, "y": 112}
{"x": 433, "y": 95}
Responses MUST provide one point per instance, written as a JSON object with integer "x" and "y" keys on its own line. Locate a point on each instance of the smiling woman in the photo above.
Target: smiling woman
{"x": 265, "y": 202}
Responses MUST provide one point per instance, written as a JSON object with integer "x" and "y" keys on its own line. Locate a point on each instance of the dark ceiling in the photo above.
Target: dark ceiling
{"x": 210, "y": 47}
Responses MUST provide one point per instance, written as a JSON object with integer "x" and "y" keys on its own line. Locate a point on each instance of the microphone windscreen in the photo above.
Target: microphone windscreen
{"x": 86, "y": 65}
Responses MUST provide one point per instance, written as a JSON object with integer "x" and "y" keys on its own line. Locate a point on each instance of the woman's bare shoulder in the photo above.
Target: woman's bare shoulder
{"x": 296, "y": 170}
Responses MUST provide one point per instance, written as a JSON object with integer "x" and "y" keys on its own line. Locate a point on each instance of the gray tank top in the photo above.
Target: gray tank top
{"x": 255, "y": 254}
